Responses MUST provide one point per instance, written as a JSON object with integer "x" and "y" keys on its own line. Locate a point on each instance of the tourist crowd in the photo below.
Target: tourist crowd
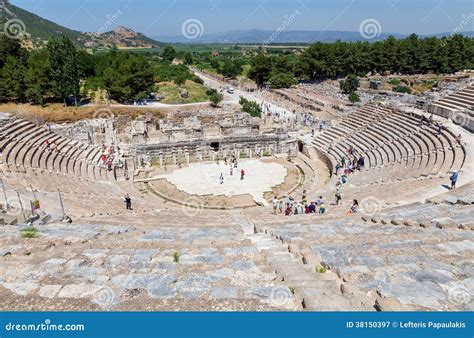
{"x": 289, "y": 206}
{"x": 109, "y": 157}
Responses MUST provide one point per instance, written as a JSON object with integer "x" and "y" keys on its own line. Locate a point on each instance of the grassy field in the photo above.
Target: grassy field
{"x": 192, "y": 48}
{"x": 207, "y": 48}
{"x": 172, "y": 93}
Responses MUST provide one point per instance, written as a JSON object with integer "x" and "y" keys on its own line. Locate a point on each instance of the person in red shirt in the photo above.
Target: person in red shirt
{"x": 242, "y": 174}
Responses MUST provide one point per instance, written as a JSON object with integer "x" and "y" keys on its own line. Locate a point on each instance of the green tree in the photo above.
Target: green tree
{"x": 128, "y": 76}
{"x": 65, "y": 75}
{"x": 408, "y": 56}
{"x": 260, "y": 69}
{"x": 180, "y": 79}
{"x": 350, "y": 84}
{"x": 250, "y": 107}
{"x": 214, "y": 96}
{"x": 282, "y": 80}
{"x": 37, "y": 81}
{"x": 12, "y": 68}
{"x": 11, "y": 47}
{"x": 169, "y": 53}
{"x": 231, "y": 68}
{"x": 188, "y": 59}
{"x": 214, "y": 64}
{"x": 86, "y": 64}
{"x": 12, "y": 79}
{"x": 353, "y": 97}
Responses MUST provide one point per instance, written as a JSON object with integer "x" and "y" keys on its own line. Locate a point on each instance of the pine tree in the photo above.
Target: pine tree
{"x": 38, "y": 84}
{"x": 64, "y": 71}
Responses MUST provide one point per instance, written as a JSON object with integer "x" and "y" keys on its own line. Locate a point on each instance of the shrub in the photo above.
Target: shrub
{"x": 394, "y": 82}
{"x": 214, "y": 97}
{"x": 30, "y": 232}
{"x": 402, "y": 89}
{"x": 321, "y": 269}
{"x": 353, "y": 97}
{"x": 250, "y": 107}
{"x": 350, "y": 84}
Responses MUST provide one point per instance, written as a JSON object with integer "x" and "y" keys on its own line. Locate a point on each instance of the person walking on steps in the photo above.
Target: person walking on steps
{"x": 128, "y": 202}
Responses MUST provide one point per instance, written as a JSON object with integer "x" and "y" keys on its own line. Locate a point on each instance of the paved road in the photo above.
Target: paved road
{"x": 234, "y": 98}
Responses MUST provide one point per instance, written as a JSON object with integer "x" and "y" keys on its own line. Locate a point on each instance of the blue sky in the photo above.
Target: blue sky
{"x": 165, "y": 17}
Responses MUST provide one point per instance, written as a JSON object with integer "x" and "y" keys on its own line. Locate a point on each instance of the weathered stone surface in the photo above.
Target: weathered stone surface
{"x": 225, "y": 293}
{"x": 143, "y": 281}
{"x": 49, "y": 291}
{"x": 347, "y": 289}
{"x": 210, "y": 257}
{"x": 162, "y": 291}
{"x": 193, "y": 286}
{"x": 247, "y": 250}
{"x": 118, "y": 261}
{"x": 53, "y": 262}
{"x": 142, "y": 259}
{"x": 79, "y": 290}
{"x": 388, "y": 304}
{"x": 455, "y": 248}
{"x": 443, "y": 222}
{"x": 165, "y": 266}
{"x": 95, "y": 253}
{"x": 259, "y": 292}
{"x": 411, "y": 223}
{"x": 243, "y": 265}
{"x": 21, "y": 289}
{"x": 426, "y": 294}
{"x": 397, "y": 221}
{"x": 159, "y": 235}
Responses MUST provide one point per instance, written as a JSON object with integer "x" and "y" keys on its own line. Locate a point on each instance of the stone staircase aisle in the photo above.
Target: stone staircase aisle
{"x": 310, "y": 285}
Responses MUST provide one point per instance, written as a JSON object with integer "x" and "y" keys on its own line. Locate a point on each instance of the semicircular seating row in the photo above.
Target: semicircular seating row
{"x": 394, "y": 144}
{"x": 23, "y": 147}
{"x": 458, "y": 107}
{"x": 459, "y": 101}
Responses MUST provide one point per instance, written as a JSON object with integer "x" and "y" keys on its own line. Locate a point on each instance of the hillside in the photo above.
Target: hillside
{"x": 39, "y": 30}
{"x": 120, "y": 37}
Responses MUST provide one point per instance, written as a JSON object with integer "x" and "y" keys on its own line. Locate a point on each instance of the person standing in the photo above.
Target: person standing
{"x": 275, "y": 204}
{"x": 242, "y": 174}
{"x": 128, "y": 202}
{"x": 454, "y": 179}
{"x": 338, "y": 194}
{"x": 221, "y": 178}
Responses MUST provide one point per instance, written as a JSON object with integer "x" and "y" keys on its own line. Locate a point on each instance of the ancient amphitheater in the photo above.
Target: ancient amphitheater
{"x": 200, "y": 244}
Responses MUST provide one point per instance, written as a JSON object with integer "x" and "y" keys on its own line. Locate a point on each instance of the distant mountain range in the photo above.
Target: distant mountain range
{"x": 39, "y": 30}
{"x": 258, "y": 36}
